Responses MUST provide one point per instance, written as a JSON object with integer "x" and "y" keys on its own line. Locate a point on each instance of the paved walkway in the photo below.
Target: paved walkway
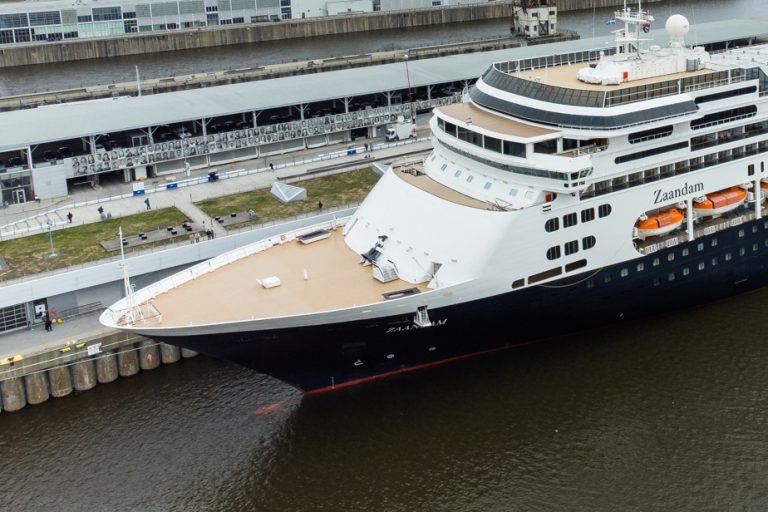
{"x": 29, "y": 214}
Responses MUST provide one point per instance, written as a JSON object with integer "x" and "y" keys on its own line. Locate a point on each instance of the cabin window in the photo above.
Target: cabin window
{"x": 518, "y": 283}
{"x": 571, "y": 247}
{"x": 701, "y": 266}
{"x": 754, "y": 229}
{"x": 487, "y": 185}
{"x": 686, "y": 271}
{"x": 588, "y": 242}
{"x": 590, "y": 284}
{"x": 551, "y": 225}
{"x": 624, "y": 272}
{"x": 604, "y": 210}
{"x": 470, "y": 178}
{"x": 569, "y": 220}
{"x": 728, "y": 256}
{"x": 587, "y": 215}
{"x": 640, "y": 267}
{"x": 656, "y": 281}
{"x": 751, "y": 170}
{"x": 553, "y": 252}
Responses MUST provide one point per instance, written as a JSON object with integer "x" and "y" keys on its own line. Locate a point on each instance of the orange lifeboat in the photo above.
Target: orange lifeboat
{"x": 720, "y": 202}
{"x": 763, "y": 188}
{"x": 660, "y": 223}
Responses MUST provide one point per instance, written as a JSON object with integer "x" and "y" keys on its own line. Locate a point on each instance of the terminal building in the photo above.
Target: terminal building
{"x": 56, "y": 20}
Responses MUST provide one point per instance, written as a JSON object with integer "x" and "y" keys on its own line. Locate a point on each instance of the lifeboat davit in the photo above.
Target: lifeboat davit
{"x": 720, "y": 202}
{"x": 659, "y": 223}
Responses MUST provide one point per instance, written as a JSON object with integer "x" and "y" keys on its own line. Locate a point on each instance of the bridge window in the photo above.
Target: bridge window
{"x": 514, "y": 149}
{"x": 492, "y": 144}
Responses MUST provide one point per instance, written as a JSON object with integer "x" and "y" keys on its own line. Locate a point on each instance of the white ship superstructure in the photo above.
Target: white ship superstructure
{"x": 557, "y": 175}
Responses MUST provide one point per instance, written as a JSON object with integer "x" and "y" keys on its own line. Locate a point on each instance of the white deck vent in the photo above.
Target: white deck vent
{"x": 269, "y": 282}
{"x": 384, "y": 273}
{"x": 287, "y": 193}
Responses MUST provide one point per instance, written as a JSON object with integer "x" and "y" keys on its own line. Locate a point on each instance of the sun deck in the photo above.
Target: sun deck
{"x": 233, "y": 293}
{"x": 413, "y": 174}
{"x": 566, "y": 76}
{"x": 467, "y": 112}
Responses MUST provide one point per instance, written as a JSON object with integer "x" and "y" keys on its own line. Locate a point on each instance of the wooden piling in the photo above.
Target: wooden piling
{"x": 106, "y": 368}
{"x": 127, "y": 361}
{"x": 12, "y": 392}
{"x": 36, "y": 386}
{"x": 84, "y": 375}
{"x": 149, "y": 355}
{"x": 169, "y": 354}
{"x": 61, "y": 381}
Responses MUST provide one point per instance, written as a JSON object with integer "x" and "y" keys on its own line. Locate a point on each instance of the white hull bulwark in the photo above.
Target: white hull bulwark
{"x": 538, "y": 186}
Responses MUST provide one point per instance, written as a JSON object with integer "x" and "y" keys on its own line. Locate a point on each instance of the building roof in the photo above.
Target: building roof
{"x": 51, "y": 123}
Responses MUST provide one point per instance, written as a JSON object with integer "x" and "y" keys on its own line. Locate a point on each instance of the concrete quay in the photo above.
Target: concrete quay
{"x": 80, "y": 353}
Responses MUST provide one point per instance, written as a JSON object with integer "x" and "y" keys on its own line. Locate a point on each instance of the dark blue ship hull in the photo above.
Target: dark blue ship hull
{"x": 326, "y": 357}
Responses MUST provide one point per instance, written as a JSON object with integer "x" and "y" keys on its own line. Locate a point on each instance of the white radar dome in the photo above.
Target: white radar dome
{"x": 677, "y": 26}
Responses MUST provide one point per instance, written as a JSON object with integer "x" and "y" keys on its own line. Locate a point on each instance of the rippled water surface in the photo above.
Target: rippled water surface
{"x": 669, "y": 414}
{"x": 587, "y": 22}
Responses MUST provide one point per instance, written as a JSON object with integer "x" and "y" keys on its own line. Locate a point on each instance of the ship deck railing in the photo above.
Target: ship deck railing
{"x": 702, "y": 228}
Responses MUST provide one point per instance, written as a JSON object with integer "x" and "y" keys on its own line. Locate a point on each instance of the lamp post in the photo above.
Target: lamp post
{"x": 53, "y": 253}
{"x": 138, "y": 81}
{"x": 408, "y": 78}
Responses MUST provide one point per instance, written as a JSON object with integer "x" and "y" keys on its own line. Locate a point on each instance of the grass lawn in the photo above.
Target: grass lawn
{"x": 78, "y": 244}
{"x": 334, "y": 190}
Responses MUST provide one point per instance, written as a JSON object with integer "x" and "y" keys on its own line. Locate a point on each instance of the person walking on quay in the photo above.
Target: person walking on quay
{"x": 69, "y": 217}
{"x": 146, "y": 202}
{"x": 48, "y": 323}
{"x": 320, "y": 206}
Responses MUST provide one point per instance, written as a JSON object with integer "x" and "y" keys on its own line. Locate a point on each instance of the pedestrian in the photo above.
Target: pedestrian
{"x": 208, "y": 234}
{"x": 366, "y": 147}
{"x": 191, "y": 239}
{"x": 146, "y": 202}
{"x": 69, "y": 217}
{"x": 101, "y": 210}
{"x": 197, "y": 238}
{"x": 48, "y": 323}
{"x": 319, "y": 205}
{"x": 271, "y": 166}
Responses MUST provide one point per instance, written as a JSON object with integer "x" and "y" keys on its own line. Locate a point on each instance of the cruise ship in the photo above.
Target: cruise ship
{"x": 565, "y": 192}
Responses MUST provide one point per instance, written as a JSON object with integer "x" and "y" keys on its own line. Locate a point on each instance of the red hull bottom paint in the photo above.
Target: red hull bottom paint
{"x": 397, "y": 372}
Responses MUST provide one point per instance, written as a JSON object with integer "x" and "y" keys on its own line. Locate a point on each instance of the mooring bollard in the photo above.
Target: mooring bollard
{"x": 12, "y": 391}
{"x": 61, "y": 381}
{"x": 127, "y": 361}
{"x": 36, "y": 386}
{"x": 149, "y": 355}
{"x": 169, "y": 354}
{"x": 106, "y": 368}
{"x": 84, "y": 375}
{"x": 186, "y": 353}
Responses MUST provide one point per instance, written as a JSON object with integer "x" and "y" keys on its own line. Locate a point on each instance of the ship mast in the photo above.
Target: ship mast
{"x": 627, "y": 39}
{"x": 133, "y": 312}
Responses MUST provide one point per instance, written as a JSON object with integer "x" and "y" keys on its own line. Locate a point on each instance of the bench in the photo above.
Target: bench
{"x": 85, "y": 309}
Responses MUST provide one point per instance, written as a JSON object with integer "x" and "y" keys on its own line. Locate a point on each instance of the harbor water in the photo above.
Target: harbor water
{"x": 665, "y": 414}
{"x": 587, "y": 23}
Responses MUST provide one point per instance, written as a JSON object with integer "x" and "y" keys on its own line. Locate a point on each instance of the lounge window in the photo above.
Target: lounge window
{"x": 541, "y": 276}
{"x": 651, "y": 152}
{"x": 552, "y": 225}
{"x": 575, "y": 265}
{"x": 492, "y": 144}
{"x": 587, "y": 215}
{"x": 571, "y": 247}
{"x": 604, "y": 210}
{"x": 514, "y": 149}
{"x": 553, "y": 253}
{"x": 726, "y": 94}
{"x": 724, "y": 116}
{"x": 655, "y": 133}
{"x": 569, "y": 220}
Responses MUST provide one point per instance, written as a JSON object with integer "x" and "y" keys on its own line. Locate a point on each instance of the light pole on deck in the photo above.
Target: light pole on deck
{"x": 138, "y": 80}
{"x": 408, "y": 78}
{"x": 53, "y": 253}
